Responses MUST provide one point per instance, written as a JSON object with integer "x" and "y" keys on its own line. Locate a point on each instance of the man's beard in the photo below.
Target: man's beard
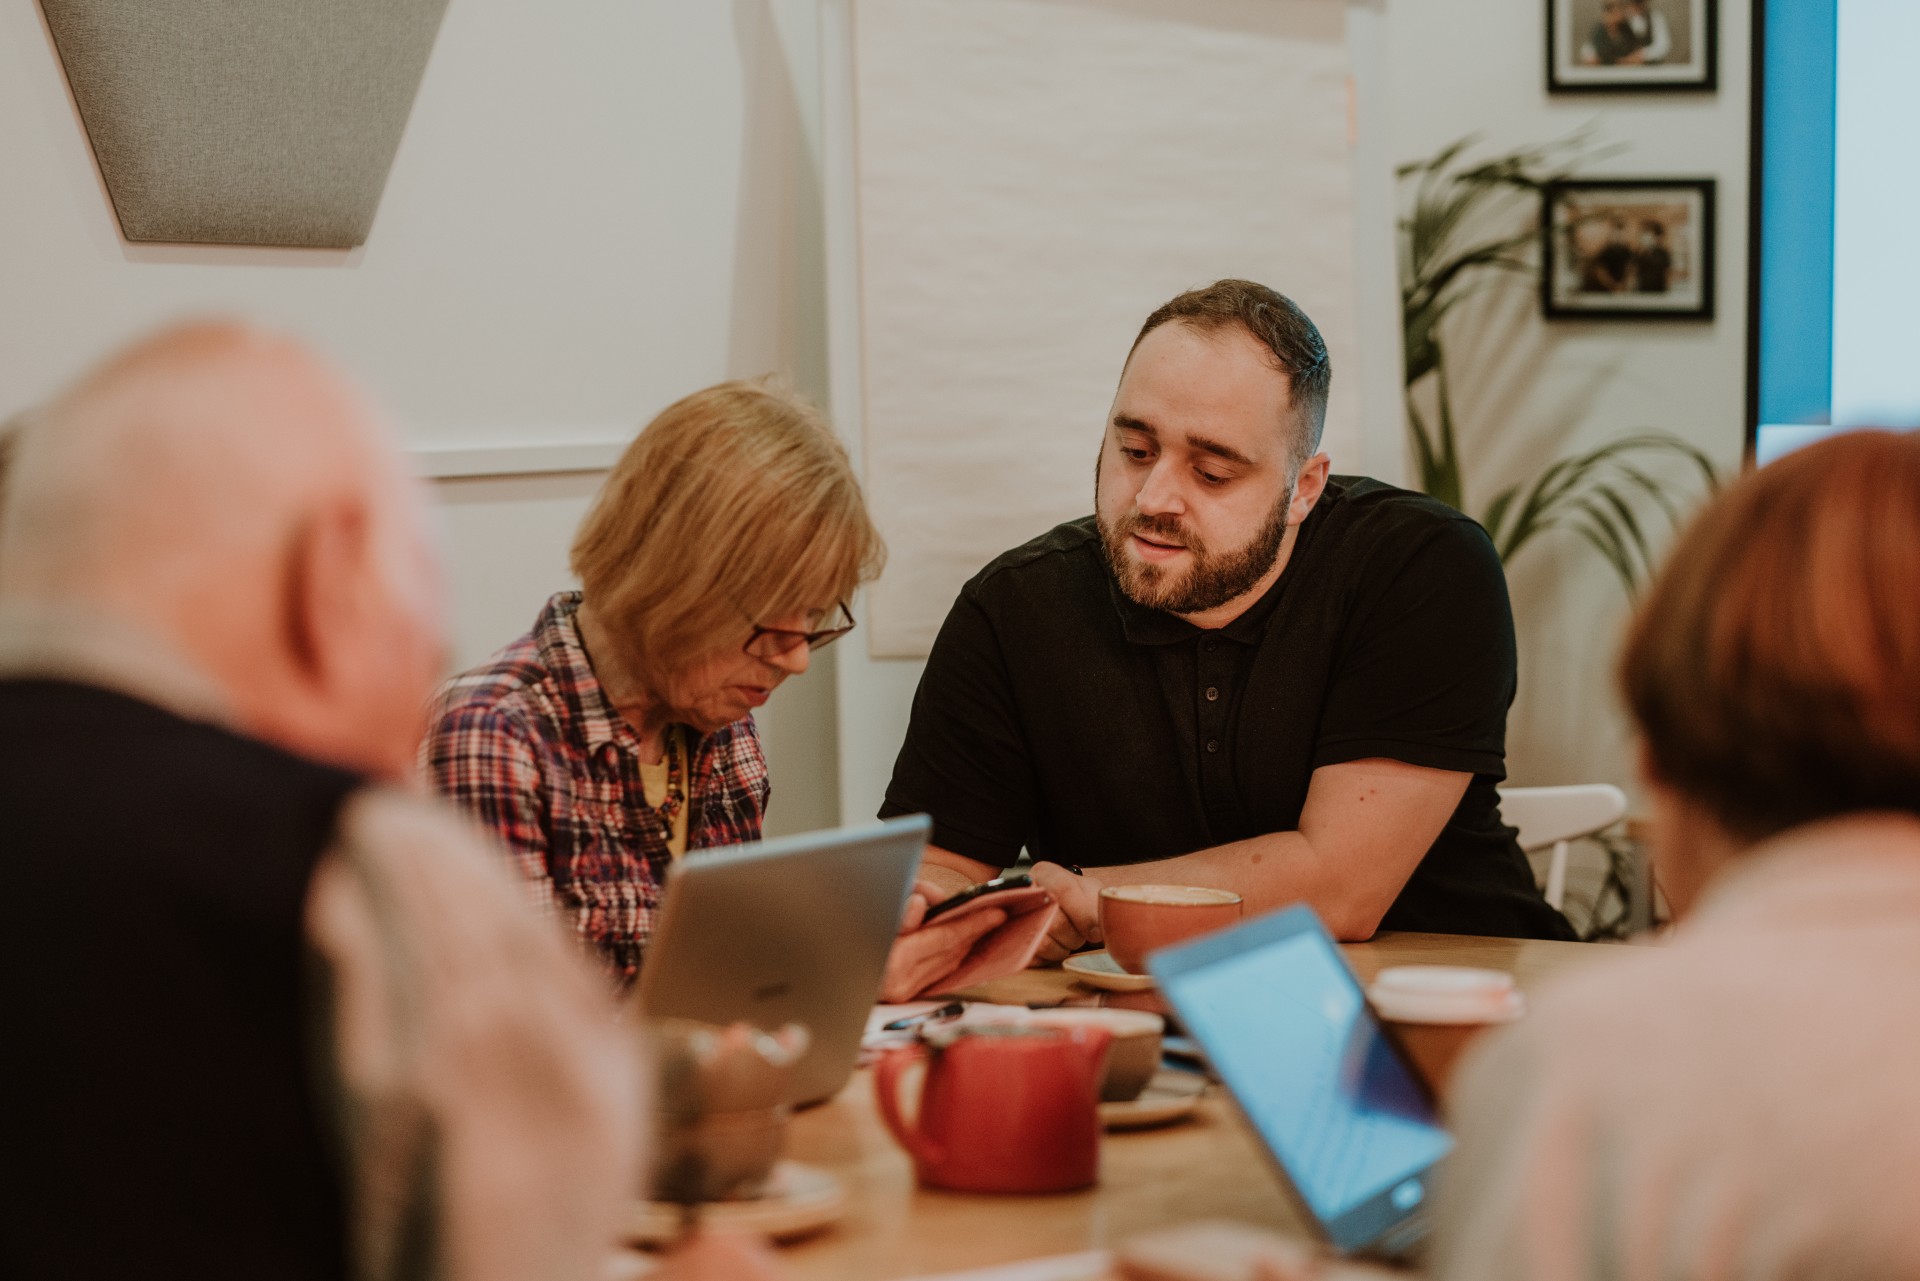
{"x": 1212, "y": 580}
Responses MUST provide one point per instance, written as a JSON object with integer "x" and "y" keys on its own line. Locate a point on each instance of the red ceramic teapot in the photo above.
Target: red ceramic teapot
{"x": 1004, "y": 1108}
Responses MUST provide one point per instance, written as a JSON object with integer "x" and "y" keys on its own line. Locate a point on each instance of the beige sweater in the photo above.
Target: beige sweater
{"x": 1743, "y": 1102}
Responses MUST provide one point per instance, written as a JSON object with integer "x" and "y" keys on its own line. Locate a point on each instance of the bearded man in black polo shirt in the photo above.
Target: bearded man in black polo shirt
{"x": 1240, "y": 672}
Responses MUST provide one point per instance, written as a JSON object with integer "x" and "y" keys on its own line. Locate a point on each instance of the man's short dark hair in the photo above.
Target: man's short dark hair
{"x": 1298, "y": 350}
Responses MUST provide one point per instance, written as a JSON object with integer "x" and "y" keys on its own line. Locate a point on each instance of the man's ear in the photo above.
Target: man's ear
{"x": 1307, "y": 490}
{"x": 326, "y": 588}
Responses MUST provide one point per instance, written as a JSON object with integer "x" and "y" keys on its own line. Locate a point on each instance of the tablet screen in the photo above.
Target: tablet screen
{"x": 1286, "y": 1027}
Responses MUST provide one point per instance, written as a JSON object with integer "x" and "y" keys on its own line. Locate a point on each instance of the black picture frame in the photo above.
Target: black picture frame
{"x": 1756, "y": 189}
{"x": 1699, "y": 73}
{"x": 1676, "y": 215}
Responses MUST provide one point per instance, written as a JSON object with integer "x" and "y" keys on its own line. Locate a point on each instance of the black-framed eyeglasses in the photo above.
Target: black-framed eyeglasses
{"x": 772, "y": 642}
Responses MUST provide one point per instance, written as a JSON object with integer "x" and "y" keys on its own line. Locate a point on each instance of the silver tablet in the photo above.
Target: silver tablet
{"x": 792, "y": 930}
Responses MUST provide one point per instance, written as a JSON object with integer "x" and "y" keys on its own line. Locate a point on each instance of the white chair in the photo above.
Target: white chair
{"x": 1554, "y": 817}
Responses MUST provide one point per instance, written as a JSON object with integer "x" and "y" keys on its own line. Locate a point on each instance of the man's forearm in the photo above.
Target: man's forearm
{"x": 1270, "y": 872}
{"x": 1365, "y": 827}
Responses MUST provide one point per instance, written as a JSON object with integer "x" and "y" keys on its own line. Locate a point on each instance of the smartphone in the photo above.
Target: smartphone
{"x": 973, "y": 892}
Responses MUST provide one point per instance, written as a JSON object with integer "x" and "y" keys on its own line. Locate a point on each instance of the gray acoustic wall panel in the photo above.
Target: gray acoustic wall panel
{"x": 251, "y": 122}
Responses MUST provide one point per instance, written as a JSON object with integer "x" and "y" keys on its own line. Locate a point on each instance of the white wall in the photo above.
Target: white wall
{"x": 1527, "y": 391}
{"x": 596, "y": 208}
{"x": 593, "y": 210}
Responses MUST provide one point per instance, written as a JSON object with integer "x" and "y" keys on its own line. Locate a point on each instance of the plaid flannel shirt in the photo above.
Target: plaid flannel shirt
{"x": 529, "y": 744}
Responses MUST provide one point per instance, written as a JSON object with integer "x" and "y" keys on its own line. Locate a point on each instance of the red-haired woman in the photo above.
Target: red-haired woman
{"x": 1740, "y": 1101}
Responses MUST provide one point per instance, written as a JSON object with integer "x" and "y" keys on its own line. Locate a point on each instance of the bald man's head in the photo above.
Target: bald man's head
{"x": 200, "y": 439}
{"x": 224, "y": 488}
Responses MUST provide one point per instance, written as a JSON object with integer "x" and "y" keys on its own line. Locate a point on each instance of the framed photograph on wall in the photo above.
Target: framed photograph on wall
{"x": 1627, "y": 249}
{"x": 1617, "y": 46}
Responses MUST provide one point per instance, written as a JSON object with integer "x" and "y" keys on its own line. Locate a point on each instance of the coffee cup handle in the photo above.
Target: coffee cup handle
{"x": 886, "y": 1087}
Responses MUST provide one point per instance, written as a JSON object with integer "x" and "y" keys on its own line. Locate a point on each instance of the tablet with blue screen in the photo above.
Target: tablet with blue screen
{"x": 1287, "y": 1027}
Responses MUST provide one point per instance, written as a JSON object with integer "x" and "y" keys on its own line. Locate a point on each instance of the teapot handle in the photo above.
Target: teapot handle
{"x": 886, "y": 1087}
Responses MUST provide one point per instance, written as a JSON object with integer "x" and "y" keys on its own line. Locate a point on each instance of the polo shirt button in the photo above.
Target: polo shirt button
{"x": 1213, "y": 745}
{"x": 1207, "y": 645}
{"x": 1213, "y": 694}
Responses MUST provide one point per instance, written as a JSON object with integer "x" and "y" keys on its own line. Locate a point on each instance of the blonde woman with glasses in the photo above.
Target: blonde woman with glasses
{"x": 618, "y": 733}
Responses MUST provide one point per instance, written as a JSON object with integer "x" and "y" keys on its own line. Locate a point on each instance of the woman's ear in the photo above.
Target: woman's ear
{"x": 1686, "y": 845}
{"x": 1644, "y": 767}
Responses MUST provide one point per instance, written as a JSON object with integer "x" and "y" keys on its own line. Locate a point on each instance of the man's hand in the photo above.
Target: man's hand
{"x": 1078, "y": 920}
{"x": 922, "y": 956}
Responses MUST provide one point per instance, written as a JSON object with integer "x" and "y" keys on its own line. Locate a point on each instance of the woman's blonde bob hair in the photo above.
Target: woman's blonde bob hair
{"x": 734, "y": 506}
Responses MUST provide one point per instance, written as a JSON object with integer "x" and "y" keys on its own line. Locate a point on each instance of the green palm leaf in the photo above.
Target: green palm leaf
{"x": 1469, "y": 227}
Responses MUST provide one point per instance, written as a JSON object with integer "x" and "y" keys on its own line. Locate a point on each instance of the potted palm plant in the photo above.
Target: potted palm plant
{"x": 1469, "y": 226}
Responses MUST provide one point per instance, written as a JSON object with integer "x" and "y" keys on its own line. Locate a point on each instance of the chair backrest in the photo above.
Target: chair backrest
{"x": 1548, "y": 815}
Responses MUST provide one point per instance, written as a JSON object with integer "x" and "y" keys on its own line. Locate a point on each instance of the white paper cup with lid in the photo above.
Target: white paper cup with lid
{"x": 1434, "y": 1011}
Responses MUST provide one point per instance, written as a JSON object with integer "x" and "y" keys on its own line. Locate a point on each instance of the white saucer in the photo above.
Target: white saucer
{"x": 799, "y": 1199}
{"x": 1171, "y": 1096}
{"x": 1098, "y": 969}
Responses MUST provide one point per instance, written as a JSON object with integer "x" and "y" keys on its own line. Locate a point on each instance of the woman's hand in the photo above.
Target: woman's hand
{"x": 1078, "y": 920}
{"x": 923, "y": 955}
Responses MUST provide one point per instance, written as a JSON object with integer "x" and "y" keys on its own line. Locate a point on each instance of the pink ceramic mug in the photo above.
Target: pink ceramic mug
{"x": 1138, "y": 919}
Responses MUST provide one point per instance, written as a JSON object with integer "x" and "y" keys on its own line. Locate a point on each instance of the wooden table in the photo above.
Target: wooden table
{"x": 1210, "y": 1167}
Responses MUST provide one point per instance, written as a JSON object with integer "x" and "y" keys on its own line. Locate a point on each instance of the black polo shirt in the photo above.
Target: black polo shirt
{"x": 1056, "y": 714}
